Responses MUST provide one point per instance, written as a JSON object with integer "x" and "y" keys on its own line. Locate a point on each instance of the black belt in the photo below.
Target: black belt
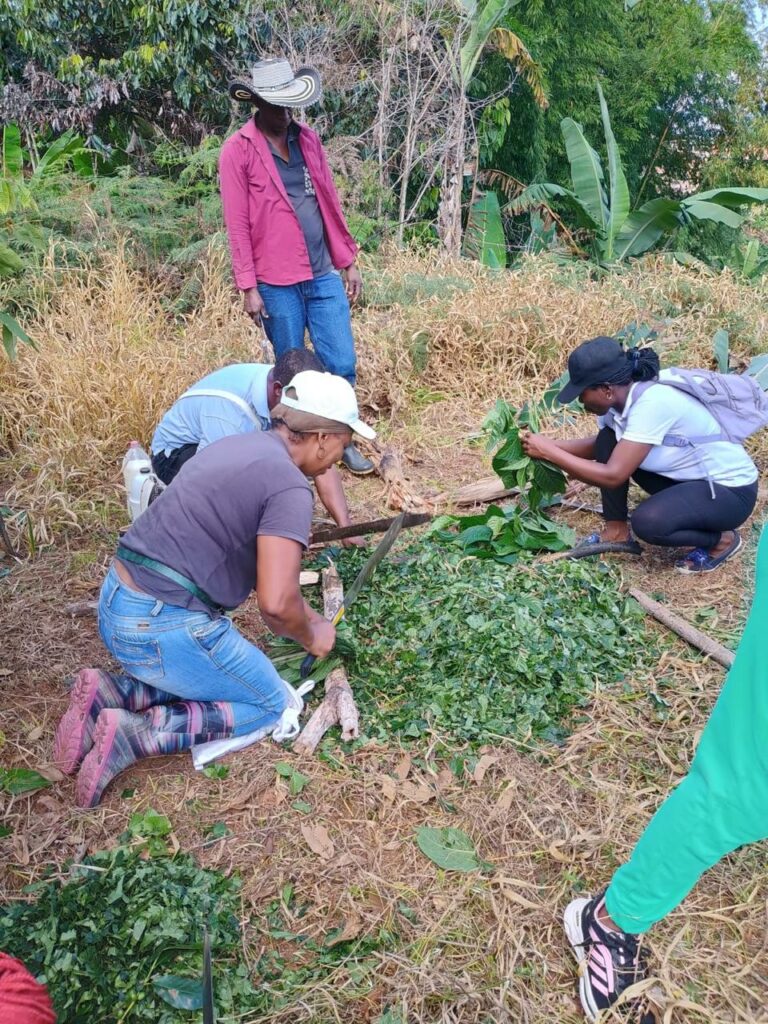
{"x": 165, "y": 570}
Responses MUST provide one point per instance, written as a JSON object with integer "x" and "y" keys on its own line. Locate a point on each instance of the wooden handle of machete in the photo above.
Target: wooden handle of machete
{"x": 309, "y": 661}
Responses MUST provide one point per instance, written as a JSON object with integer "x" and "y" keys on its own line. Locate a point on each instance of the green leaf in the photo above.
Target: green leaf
{"x": 618, "y": 204}
{"x": 450, "y": 848}
{"x": 543, "y": 193}
{"x": 750, "y": 258}
{"x": 13, "y": 160}
{"x": 643, "y": 228}
{"x": 484, "y": 238}
{"x": 14, "y": 332}
{"x": 302, "y": 806}
{"x": 149, "y": 824}
{"x": 218, "y": 830}
{"x": 733, "y": 198}
{"x": 181, "y": 993}
{"x": 58, "y": 154}
{"x": 721, "y": 349}
{"x": 758, "y": 369}
{"x": 10, "y": 262}
{"x": 5, "y": 831}
{"x": 586, "y": 174}
{"x": 22, "y": 780}
{"x": 216, "y": 771}
{"x": 483, "y": 20}
{"x": 699, "y": 210}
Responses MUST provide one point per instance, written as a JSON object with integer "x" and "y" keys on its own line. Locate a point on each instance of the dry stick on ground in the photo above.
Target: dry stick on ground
{"x": 400, "y": 497}
{"x": 338, "y": 706}
{"x": 683, "y": 628}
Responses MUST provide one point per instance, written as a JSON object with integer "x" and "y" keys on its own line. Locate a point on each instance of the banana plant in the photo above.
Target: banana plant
{"x": 603, "y": 208}
{"x": 18, "y": 190}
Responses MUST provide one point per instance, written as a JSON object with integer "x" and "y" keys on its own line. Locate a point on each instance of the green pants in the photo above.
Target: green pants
{"x": 722, "y": 803}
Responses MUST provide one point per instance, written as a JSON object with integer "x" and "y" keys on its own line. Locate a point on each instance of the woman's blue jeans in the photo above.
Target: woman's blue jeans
{"x": 320, "y": 306}
{"x": 190, "y": 655}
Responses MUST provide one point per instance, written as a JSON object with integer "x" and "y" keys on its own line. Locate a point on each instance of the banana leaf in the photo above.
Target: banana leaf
{"x": 482, "y": 22}
{"x": 733, "y": 198}
{"x": 13, "y": 159}
{"x": 643, "y": 228}
{"x": 543, "y": 193}
{"x": 484, "y": 238}
{"x": 701, "y": 210}
{"x": 618, "y": 190}
{"x": 586, "y": 173}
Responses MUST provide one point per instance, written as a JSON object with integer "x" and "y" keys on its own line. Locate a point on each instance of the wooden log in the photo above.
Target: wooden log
{"x": 338, "y": 706}
{"x": 683, "y": 628}
{"x": 400, "y": 497}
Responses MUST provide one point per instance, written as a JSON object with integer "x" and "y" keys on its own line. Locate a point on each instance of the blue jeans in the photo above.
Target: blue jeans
{"x": 319, "y": 306}
{"x": 189, "y": 655}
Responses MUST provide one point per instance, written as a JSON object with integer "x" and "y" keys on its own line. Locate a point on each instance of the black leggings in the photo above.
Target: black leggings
{"x": 679, "y": 514}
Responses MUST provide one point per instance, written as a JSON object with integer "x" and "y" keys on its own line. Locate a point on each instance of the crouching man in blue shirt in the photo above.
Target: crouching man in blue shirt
{"x": 237, "y": 400}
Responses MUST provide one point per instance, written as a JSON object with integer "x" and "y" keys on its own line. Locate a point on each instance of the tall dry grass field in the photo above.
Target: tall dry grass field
{"x": 437, "y": 344}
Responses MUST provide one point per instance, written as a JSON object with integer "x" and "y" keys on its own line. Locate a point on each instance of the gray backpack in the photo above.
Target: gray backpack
{"x": 736, "y": 401}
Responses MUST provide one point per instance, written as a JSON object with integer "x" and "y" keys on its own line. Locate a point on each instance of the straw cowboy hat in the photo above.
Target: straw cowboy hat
{"x": 274, "y": 81}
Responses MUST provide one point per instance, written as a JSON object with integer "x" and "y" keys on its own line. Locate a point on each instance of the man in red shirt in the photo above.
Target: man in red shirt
{"x": 292, "y": 254}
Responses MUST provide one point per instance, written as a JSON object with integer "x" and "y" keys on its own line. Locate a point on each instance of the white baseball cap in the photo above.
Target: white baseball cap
{"x": 326, "y": 395}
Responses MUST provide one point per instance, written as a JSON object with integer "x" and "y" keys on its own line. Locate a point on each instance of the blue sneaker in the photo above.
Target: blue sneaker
{"x": 700, "y": 560}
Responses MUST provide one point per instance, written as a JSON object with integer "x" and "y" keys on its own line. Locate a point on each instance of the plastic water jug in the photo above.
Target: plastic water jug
{"x": 137, "y": 474}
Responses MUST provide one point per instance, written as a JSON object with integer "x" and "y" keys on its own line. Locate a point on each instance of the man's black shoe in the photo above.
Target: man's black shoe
{"x": 355, "y": 462}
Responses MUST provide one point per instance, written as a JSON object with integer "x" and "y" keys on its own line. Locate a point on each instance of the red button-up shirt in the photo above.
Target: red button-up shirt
{"x": 265, "y": 237}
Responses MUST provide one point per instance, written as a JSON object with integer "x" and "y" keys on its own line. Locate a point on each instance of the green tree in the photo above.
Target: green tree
{"x": 73, "y": 63}
{"x": 666, "y": 66}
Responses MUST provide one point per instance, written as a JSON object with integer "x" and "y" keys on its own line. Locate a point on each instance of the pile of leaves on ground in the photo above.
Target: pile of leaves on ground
{"x": 121, "y": 938}
{"x": 473, "y": 651}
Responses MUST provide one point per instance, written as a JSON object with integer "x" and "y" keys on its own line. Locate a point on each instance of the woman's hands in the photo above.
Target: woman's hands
{"x": 536, "y": 446}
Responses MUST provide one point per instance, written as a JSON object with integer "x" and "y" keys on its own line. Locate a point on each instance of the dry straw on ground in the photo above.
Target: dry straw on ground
{"x": 111, "y": 359}
{"x": 469, "y": 949}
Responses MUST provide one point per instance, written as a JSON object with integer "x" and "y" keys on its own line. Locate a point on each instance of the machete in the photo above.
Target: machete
{"x": 364, "y": 575}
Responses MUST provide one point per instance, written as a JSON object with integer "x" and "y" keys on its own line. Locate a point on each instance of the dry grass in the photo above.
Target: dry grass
{"x": 471, "y": 949}
{"x": 111, "y": 360}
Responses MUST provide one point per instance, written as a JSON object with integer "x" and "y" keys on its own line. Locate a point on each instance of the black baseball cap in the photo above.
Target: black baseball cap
{"x": 594, "y": 362}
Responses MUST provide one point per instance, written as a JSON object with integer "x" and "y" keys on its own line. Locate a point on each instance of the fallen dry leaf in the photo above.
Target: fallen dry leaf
{"x": 35, "y": 734}
{"x": 352, "y": 928}
{"x": 318, "y": 840}
{"x": 403, "y": 767}
{"x": 52, "y": 774}
{"x": 388, "y": 787}
{"x": 506, "y": 797}
{"x": 417, "y": 792}
{"x": 482, "y": 767}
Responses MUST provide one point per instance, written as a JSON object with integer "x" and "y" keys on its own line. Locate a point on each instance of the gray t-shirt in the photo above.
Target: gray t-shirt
{"x": 301, "y": 192}
{"x": 206, "y": 523}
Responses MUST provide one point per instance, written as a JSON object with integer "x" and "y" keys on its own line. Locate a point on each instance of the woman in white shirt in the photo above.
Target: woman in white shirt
{"x": 699, "y": 493}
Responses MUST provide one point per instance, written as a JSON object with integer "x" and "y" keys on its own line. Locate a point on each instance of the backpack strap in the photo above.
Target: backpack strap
{"x": 229, "y": 396}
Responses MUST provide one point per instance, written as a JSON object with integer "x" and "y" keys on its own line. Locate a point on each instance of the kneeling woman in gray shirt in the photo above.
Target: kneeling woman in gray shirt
{"x": 237, "y": 518}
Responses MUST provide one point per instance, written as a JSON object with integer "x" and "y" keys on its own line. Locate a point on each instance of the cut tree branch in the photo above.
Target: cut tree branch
{"x": 338, "y": 706}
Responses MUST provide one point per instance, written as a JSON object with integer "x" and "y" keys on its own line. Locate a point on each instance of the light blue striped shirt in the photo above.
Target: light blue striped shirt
{"x": 203, "y": 419}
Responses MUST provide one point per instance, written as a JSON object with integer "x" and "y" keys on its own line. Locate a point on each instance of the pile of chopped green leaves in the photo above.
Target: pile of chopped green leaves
{"x": 123, "y": 939}
{"x": 473, "y": 651}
